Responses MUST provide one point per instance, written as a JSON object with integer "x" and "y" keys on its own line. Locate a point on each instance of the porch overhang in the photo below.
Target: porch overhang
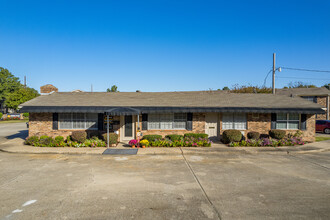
{"x": 122, "y": 111}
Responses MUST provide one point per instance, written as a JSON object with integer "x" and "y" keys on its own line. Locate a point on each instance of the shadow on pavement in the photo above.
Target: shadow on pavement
{"x": 20, "y": 134}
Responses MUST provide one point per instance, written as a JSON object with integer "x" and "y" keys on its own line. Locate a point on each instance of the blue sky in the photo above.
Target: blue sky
{"x": 161, "y": 45}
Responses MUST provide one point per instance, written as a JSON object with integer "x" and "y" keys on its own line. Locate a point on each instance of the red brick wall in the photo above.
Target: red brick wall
{"x": 262, "y": 124}
{"x": 198, "y": 127}
{"x": 42, "y": 124}
{"x": 322, "y": 100}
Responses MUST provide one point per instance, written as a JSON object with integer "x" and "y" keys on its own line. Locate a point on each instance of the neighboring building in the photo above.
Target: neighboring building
{"x": 46, "y": 89}
{"x": 317, "y": 95}
{"x": 165, "y": 113}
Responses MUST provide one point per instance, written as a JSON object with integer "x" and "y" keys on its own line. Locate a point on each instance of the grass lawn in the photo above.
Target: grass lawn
{"x": 14, "y": 121}
{"x": 317, "y": 139}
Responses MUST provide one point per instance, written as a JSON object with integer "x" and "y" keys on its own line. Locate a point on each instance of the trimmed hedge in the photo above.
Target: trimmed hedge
{"x": 33, "y": 140}
{"x": 174, "y": 137}
{"x": 277, "y": 134}
{"x": 79, "y": 136}
{"x": 196, "y": 135}
{"x": 59, "y": 139}
{"x": 253, "y": 135}
{"x": 152, "y": 137}
{"x": 232, "y": 135}
{"x": 46, "y": 141}
{"x": 113, "y": 138}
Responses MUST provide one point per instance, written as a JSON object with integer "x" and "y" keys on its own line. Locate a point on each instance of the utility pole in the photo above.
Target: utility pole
{"x": 274, "y": 54}
{"x": 91, "y": 87}
{"x": 24, "y": 81}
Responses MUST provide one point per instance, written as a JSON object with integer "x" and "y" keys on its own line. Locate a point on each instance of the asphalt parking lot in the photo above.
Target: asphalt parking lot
{"x": 12, "y": 130}
{"x": 231, "y": 186}
{"x": 228, "y": 185}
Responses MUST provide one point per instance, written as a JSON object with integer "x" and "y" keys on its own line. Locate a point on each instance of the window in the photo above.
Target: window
{"x": 287, "y": 121}
{"x": 78, "y": 121}
{"x": 169, "y": 121}
{"x": 310, "y": 98}
{"x": 234, "y": 121}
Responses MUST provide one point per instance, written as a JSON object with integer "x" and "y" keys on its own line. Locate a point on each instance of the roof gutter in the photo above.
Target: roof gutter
{"x": 104, "y": 109}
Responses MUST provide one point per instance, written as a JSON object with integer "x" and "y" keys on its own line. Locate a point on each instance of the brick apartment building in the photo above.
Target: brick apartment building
{"x": 212, "y": 112}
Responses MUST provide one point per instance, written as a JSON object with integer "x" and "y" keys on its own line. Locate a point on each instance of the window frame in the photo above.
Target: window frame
{"x": 310, "y": 98}
{"x": 288, "y": 120}
{"x": 171, "y": 119}
{"x": 85, "y": 121}
{"x": 234, "y": 123}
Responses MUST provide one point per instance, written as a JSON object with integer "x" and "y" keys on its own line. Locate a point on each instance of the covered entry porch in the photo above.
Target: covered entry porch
{"x": 123, "y": 121}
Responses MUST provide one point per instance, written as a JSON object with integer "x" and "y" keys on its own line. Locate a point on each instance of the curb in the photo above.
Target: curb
{"x": 241, "y": 151}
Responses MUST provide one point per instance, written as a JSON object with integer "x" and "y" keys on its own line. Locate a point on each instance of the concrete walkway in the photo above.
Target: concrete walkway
{"x": 17, "y": 146}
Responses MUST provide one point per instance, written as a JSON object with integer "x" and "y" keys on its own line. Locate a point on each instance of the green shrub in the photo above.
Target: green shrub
{"x": 33, "y": 140}
{"x": 94, "y": 142}
{"x": 232, "y": 135}
{"x": 26, "y": 115}
{"x": 196, "y": 135}
{"x": 68, "y": 138}
{"x": 152, "y": 137}
{"x": 79, "y": 136}
{"x": 46, "y": 141}
{"x": 187, "y": 142}
{"x": 253, "y": 135}
{"x": 113, "y": 138}
{"x": 59, "y": 139}
{"x": 1, "y": 115}
{"x": 277, "y": 134}
{"x": 174, "y": 137}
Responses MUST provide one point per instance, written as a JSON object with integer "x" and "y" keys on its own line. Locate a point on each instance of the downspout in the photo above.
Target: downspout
{"x": 107, "y": 130}
{"x": 138, "y": 130}
{"x": 328, "y": 107}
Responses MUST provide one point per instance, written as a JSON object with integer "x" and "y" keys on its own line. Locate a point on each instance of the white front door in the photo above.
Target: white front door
{"x": 127, "y": 128}
{"x": 211, "y": 125}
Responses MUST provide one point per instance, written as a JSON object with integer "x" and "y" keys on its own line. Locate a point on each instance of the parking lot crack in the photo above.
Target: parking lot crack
{"x": 200, "y": 185}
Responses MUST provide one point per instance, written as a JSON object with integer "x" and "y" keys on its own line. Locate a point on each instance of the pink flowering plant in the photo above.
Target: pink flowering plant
{"x": 133, "y": 142}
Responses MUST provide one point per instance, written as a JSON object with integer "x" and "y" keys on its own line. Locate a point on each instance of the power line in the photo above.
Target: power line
{"x": 298, "y": 69}
{"x": 301, "y": 78}
{"x": 266, "y": 77}
{"x": 309, "y": 70}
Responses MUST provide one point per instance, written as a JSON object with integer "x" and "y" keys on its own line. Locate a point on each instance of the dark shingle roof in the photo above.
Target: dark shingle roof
{"x": 202, "y": 100}
{"x": 321, "y": 91}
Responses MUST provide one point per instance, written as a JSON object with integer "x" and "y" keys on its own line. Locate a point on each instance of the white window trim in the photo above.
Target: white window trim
{"x": 287, "y": 122}
{"x": 71, "y": 121}
{"x": 171, "y": 129}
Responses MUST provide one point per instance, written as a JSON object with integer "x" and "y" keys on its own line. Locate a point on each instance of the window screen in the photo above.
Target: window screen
{"x": 287, "y": 121}
{"x": 167, "y": 121}
{"x": 234, "y": 121}
{"x": 78, "y": 121}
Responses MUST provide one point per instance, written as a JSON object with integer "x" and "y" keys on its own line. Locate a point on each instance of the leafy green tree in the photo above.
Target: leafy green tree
{"x": 327, "y": 86}
{"x": 20, "y": 96}
{"x": 250, "y": 89}
{"x": 114, "y": 88}
{"x": 8, "y": 84}
{"x": 225, "y": 88}
{"x": 300, "y": 85}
